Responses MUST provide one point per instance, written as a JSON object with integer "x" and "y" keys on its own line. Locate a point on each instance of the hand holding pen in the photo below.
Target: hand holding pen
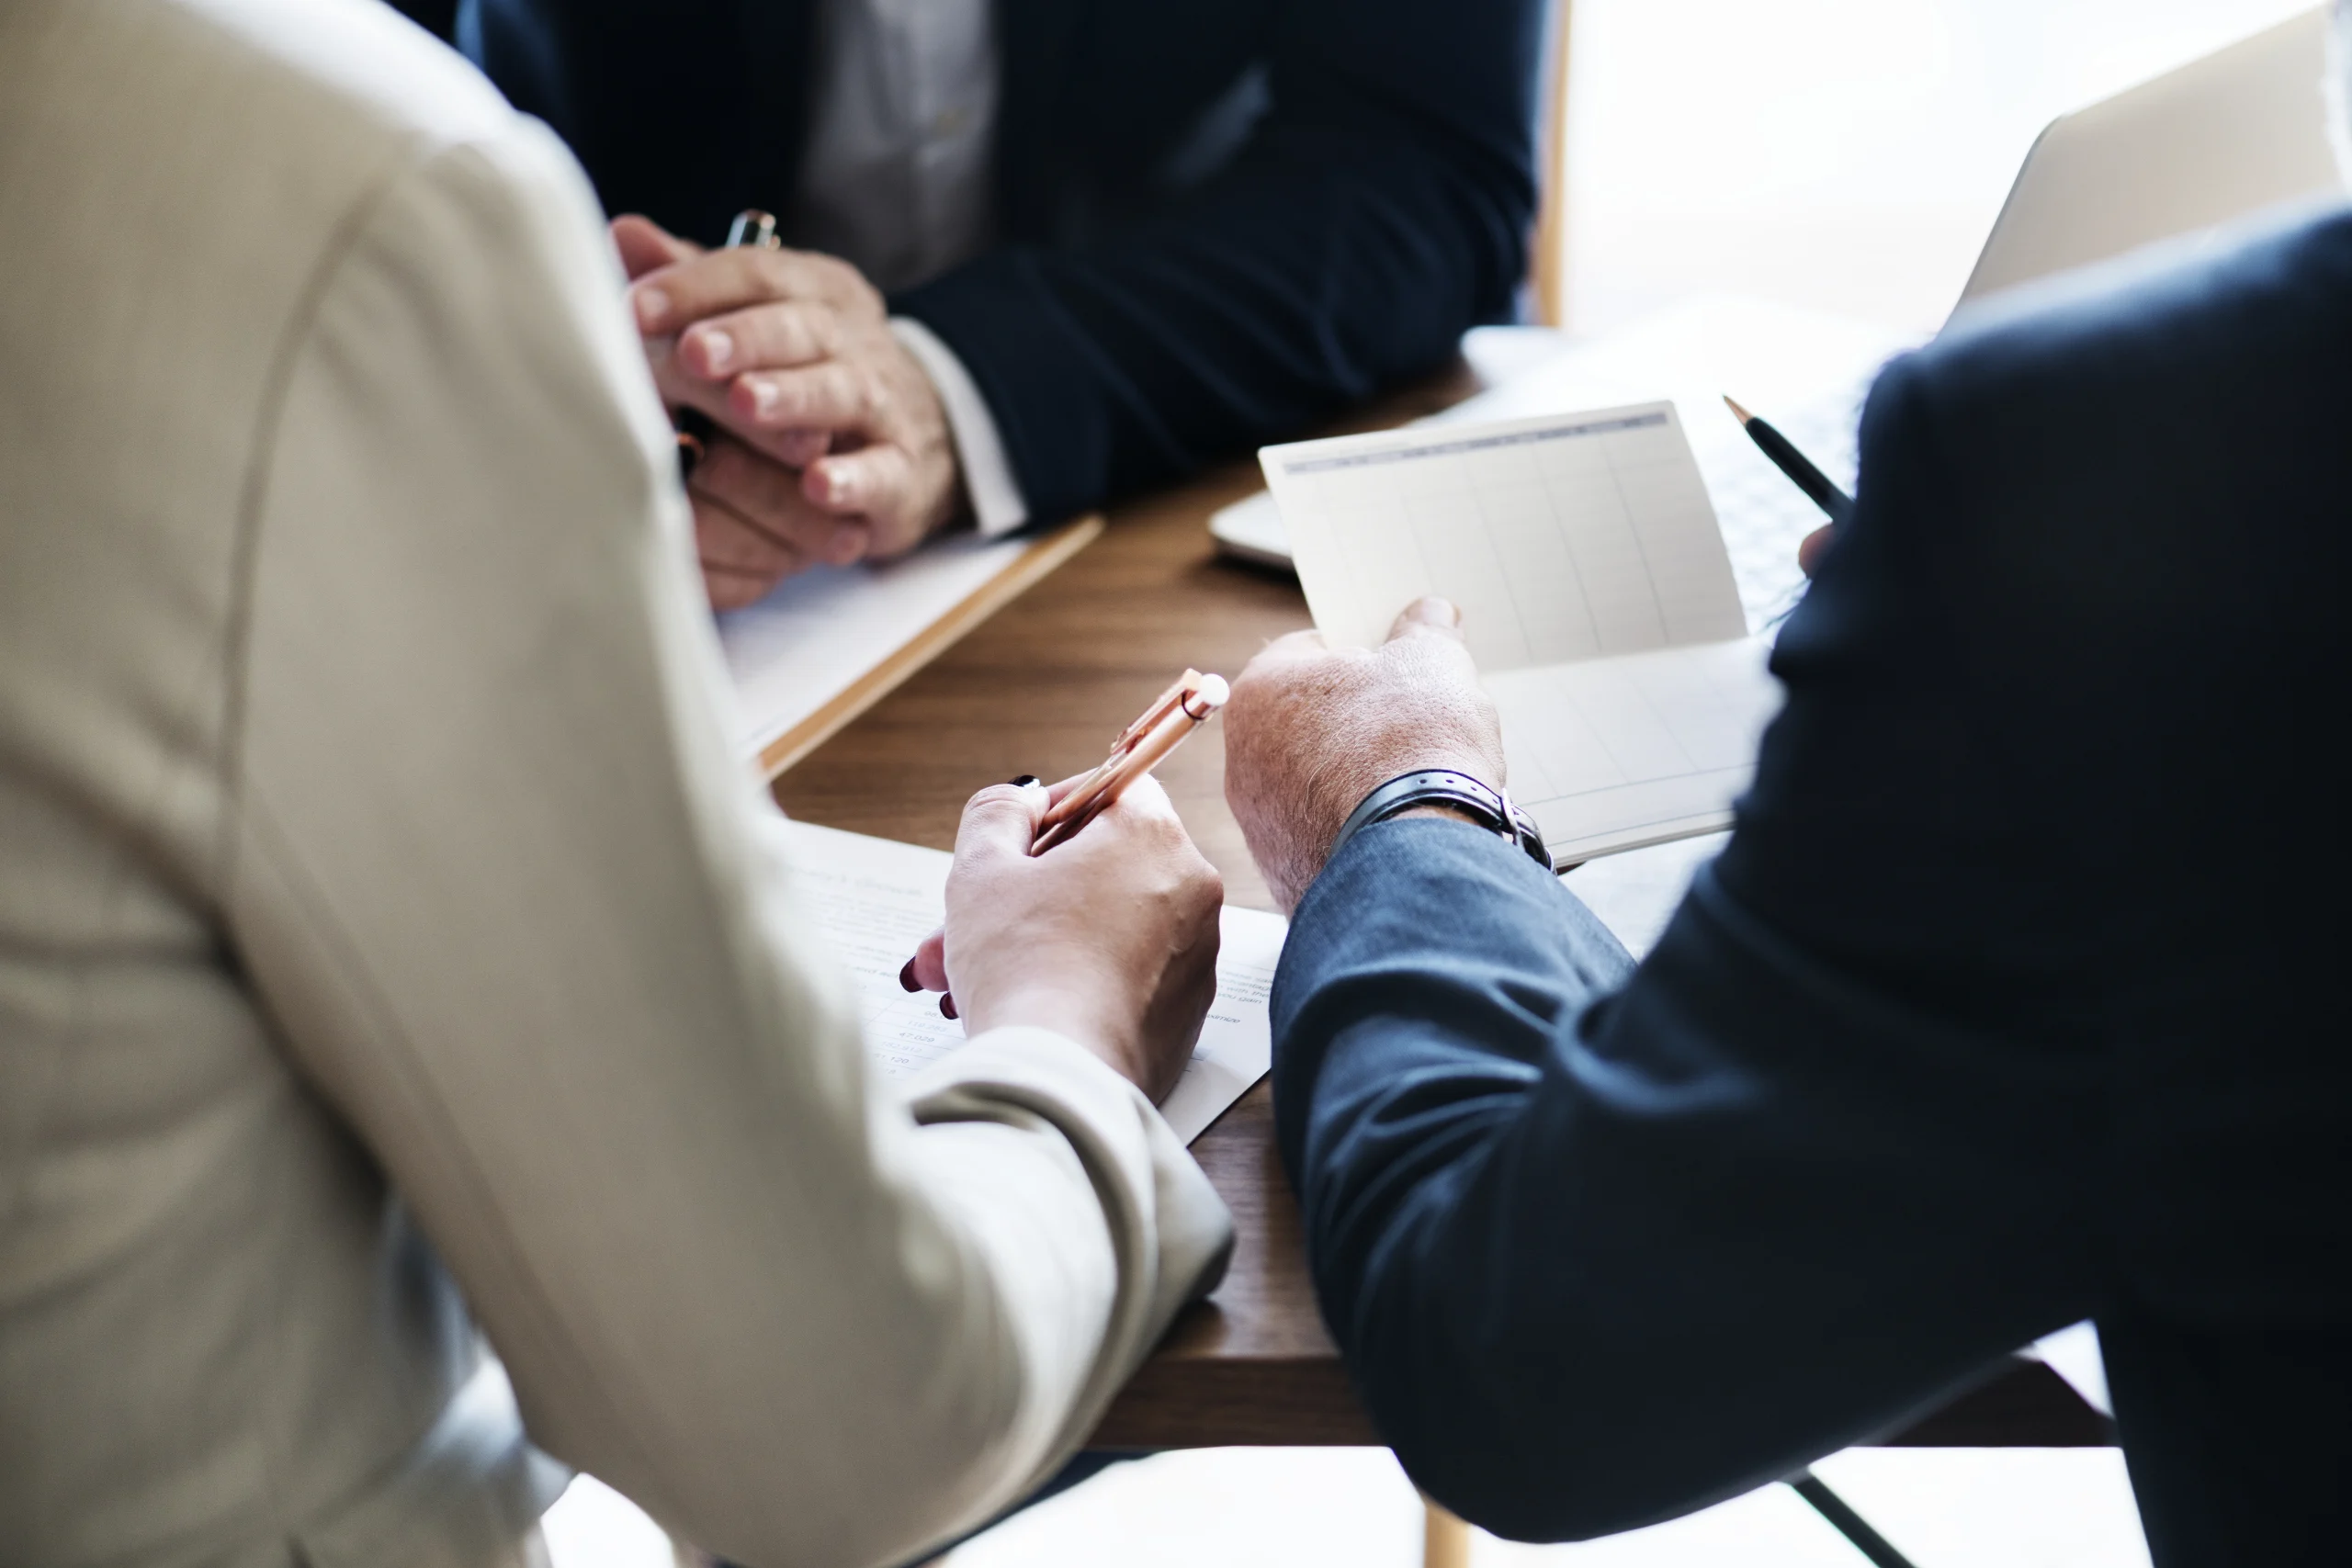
{"x": 1835, "y": 503}
{"x": 1055, "y": 817}
{"x": 1183, "y": 707}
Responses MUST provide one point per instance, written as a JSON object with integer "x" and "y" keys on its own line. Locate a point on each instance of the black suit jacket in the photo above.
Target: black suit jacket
{"x": 2017, "y": 997}
{"x": 1221, "y": 220}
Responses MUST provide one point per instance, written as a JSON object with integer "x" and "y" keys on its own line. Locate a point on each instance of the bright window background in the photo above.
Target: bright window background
{"x": 1844, "y": 154}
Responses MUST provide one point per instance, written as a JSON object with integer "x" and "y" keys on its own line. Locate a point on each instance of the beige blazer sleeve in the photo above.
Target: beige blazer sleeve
{"x": 521, "y": 917}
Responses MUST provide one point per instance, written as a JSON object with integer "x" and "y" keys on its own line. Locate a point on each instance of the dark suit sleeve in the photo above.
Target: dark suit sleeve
{"x": 1379, "y": 210}
{"x": 1604, "y": 1244}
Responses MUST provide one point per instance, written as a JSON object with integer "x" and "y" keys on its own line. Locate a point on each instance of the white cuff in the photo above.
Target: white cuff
{"x": 998, "y": 505}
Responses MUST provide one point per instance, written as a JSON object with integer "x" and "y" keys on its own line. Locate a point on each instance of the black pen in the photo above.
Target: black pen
{"x": 756, "y": 228}
{"x": 1796, "y": 465}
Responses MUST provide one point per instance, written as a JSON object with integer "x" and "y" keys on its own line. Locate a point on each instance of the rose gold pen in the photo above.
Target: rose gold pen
{"x": 1183, "y": 708}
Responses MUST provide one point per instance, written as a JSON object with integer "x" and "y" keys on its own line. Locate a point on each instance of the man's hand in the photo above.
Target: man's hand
{"x": 1812, "y": 546}
{"x": 1312, "y": 730}
{"x": 837, "y": 448}
{"x": 1110, "y": 939}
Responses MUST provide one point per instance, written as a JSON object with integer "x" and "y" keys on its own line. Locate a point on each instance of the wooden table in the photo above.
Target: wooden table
{"x": 1041, "y": 689}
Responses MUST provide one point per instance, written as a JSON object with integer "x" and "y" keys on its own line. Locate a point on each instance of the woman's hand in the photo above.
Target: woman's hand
{"x": 1110, "y": 939}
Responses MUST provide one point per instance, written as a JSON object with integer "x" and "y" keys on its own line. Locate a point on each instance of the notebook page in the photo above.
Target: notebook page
{"x": 806, "y": 643}
{"x": 1562, "y": 538}
{"x": 1807, "y": 371}
{"x": 1614, "y": 755}
{"x": 876, "y": 898}
{"x": 1596, "y": 594}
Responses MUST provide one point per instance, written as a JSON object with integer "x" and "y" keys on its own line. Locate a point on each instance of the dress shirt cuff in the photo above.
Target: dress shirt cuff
{"x": 998, "y": 505}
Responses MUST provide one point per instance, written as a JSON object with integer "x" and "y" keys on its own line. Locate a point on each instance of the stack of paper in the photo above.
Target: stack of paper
{"x": 875, "y": 899}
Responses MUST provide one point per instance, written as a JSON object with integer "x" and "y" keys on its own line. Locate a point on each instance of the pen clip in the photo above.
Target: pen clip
{"x": 1184, "y": 707}
{"x": 755, "y": 228}
{"x": 1182, "y": 693}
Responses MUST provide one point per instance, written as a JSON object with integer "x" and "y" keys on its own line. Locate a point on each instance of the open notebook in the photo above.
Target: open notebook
{"x": 830, "y": 643}
{"x": 1596, "y": 594}
{"x": 876, "y": 898}
{"x": 1807, "y": 371}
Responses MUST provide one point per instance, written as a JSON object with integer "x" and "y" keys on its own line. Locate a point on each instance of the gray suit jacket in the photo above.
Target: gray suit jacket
{"x": 371, "y": 846}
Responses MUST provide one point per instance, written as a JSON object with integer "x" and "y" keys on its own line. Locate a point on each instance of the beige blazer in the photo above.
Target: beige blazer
{"x": 371, "y": 847}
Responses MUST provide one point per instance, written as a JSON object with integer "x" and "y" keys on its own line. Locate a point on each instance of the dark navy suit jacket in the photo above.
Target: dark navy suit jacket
{"x": 2017, "y": 998}
{"x": 1223, "y": 221}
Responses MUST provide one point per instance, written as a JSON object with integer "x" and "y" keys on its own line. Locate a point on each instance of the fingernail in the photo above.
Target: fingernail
{"x": 717, "y": 348}
{"x": 652, "y": 309}
{"x": 946, "y": 1004}
{"x": 906, "y": 981}
{"x": 765, "y": 397}
{"x": 1026, "y": 780}
{"x": 837, "y": 489}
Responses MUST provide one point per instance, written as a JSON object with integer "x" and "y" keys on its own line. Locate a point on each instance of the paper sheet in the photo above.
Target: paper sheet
{"x": 875, "y": 899}
{"x": 1613, "y": 754}
{"x": 1805, "y": 370}
{"x": 813, "y": 637}
{"x": 1560, "y": 538}
{"x": 1636, "y": 894}
{"x": 1596, "y": 594}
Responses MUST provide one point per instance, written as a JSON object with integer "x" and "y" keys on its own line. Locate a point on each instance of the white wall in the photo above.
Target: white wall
{"x": 1848, "y": 154}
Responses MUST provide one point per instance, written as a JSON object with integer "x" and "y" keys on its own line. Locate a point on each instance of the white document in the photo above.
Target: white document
{"x": 1611, "y": 754}
{"x": 1805, "y": 370}
{"x": 875, "y": 899}
{"x": 1596, "y": 594}
{"x": 819, "y": 632}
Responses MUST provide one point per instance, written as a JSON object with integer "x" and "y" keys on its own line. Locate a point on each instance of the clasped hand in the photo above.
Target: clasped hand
{"x": 833, "y": 446}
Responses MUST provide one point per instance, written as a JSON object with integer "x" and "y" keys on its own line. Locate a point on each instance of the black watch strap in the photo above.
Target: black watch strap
{"x": 1442, "y": 786}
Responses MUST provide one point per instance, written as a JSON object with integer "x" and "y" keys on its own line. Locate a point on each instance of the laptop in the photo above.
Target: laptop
{"x": 2239, "y": 134}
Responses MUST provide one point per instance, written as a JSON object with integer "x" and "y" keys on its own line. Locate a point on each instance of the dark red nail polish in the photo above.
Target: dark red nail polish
{"x": 946, "y": 1004}
{"x": 1025, "y": 780}
{"x": 907, "y": 977}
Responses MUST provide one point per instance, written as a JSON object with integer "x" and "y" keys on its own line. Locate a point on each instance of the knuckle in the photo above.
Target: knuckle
{"x": 814, "y": 334}
{"x": 770, "y": 270}
{"x": 848, "y": 281}
{"x": 787, "y": 331}
{"x": 996, "y": 797}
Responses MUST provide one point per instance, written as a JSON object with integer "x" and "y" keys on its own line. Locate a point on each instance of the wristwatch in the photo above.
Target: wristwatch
{"x": 1491, "y": 809}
